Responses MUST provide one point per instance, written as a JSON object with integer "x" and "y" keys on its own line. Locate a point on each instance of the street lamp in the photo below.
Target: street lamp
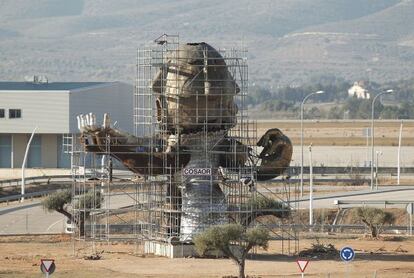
{"x": 310, "y": 187}
{"x": 301, "y": 137}
{"x": 23, "y": 185}
{"x": 372, "y": 134}
{"x": 378, "y": 153}
{"x": 399, "y": 154}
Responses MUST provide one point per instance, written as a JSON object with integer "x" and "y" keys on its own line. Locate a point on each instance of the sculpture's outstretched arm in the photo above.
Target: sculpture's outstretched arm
{"x": 275, "y": 156}
{"x": 141, "y": 155}
{"x": 233, "y": 153}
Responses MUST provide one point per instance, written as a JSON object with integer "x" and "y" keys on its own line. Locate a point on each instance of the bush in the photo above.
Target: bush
{"x": 233, "y": 241}
{"x": 374, "y": 219}
{"x": 266, "y": 206}
{"x": 57, "y": 201}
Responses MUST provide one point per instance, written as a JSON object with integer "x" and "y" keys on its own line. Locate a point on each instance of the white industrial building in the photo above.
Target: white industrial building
{"x": 52, "y": 108}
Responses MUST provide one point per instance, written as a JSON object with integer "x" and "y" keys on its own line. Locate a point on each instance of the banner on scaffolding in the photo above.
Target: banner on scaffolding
{"x": 197, "y": 172}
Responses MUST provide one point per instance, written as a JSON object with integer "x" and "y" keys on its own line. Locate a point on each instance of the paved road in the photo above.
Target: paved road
{"x": 30, "y": 216}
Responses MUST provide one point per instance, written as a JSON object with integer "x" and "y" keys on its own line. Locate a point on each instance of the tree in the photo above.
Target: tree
{"x": 58, "y": 201}
{"x": 263, "y": 206}
{"x": 313, "y": 113}
{"x": 336, "y": 113}
{"x": 276, "y": 105}
{"x": 374, "y": 219}
{"x": 61, "y": 199}
{"x": 258, "y": 95}
{"x": 233, "y": 241}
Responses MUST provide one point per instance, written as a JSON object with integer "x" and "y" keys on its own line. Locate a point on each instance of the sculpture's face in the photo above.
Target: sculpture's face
{"x": 195, "y": 88}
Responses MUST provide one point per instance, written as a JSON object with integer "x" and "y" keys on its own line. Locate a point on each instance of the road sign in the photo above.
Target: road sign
{"x": 47, "y": 266}
{"x": 347, "y": 254}
{"x": 302, "y": 264}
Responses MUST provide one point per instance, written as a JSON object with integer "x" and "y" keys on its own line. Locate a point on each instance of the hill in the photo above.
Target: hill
{"x": 289, "y": 41}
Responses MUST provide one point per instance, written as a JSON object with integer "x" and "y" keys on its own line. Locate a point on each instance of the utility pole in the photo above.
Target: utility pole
{"x": 310, "y": 187}
{"x": 399, "y": 154}
{"x": 372, "y": 134}
{"x": 301, "y": 137}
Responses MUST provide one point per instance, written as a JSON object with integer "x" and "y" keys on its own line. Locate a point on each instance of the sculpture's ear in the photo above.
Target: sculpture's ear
{"x": 159, "y": 80}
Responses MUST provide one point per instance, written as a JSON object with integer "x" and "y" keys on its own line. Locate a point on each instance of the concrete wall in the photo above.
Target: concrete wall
{"x": 48, "y": 110}
{"x": 6, "y": 174}
{"x": 116, "y": 98}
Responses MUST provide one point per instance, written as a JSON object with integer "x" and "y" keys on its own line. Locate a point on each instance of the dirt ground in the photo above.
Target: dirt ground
{"x": 20, "y": 257}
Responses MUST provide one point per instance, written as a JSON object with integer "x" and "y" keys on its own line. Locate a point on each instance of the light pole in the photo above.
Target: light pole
{"x": 23, "y": 186}
{"x": 372, "y": 134}
{"x": 310, "y": 187}
{"x": 378, "y": 153}
{"x": 399, "y": 154}
{"x": 301, "y": 137}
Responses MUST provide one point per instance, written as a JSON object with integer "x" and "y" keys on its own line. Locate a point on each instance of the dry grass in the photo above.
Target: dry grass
{"x": 342, "y": 133}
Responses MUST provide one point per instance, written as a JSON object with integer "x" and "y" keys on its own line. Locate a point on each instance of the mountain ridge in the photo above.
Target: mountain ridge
{"x": 289, "y": 41}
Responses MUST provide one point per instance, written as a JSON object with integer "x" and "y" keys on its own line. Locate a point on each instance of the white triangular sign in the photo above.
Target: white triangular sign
{"x": 47, "y": 264}
{"x": 302, "y": 264}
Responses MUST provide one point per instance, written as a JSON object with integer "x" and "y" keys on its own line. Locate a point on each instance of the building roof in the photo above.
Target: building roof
{"x": 53, "y": 86}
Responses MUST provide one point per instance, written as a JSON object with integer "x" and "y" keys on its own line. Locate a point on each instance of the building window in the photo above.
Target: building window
{"x": 15, "y": 113}
{"x": 1, "y": 113}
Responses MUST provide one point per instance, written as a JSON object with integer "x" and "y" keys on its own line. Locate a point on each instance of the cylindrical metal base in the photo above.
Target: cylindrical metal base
{"x": 203, "y": 202}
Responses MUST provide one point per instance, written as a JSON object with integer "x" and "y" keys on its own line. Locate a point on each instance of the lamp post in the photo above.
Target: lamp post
{"x": 372, "y": 134}
{"x": 378, "y": 153}
{"x": 399, "y": 154}
{"x": 23, "y": 186}
{"x": 310, "y": 187}
{"x": 301, "y": 137}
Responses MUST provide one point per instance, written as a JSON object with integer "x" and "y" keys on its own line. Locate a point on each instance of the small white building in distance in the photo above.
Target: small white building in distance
{"x": 358, "y": 90}
{"x": 52, "y": 108}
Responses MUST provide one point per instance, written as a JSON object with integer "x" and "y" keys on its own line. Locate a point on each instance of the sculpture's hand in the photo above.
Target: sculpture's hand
{"x": 276, "y": 154}
{"x": 87, "y": 123}
{"x": 136, "y": 153}
{"x": 97, "y": 134}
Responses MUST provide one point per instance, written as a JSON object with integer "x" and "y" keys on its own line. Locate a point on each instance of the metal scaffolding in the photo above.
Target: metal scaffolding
{"x": 182, "y": 189}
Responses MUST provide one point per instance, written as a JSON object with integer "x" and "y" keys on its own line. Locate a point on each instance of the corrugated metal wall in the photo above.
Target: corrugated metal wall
{"x": 46, "y": 109}
{"x": 54, "y": 113}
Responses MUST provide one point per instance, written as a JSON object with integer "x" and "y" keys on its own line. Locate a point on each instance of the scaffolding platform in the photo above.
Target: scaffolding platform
{"x": 166, "y": 203}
